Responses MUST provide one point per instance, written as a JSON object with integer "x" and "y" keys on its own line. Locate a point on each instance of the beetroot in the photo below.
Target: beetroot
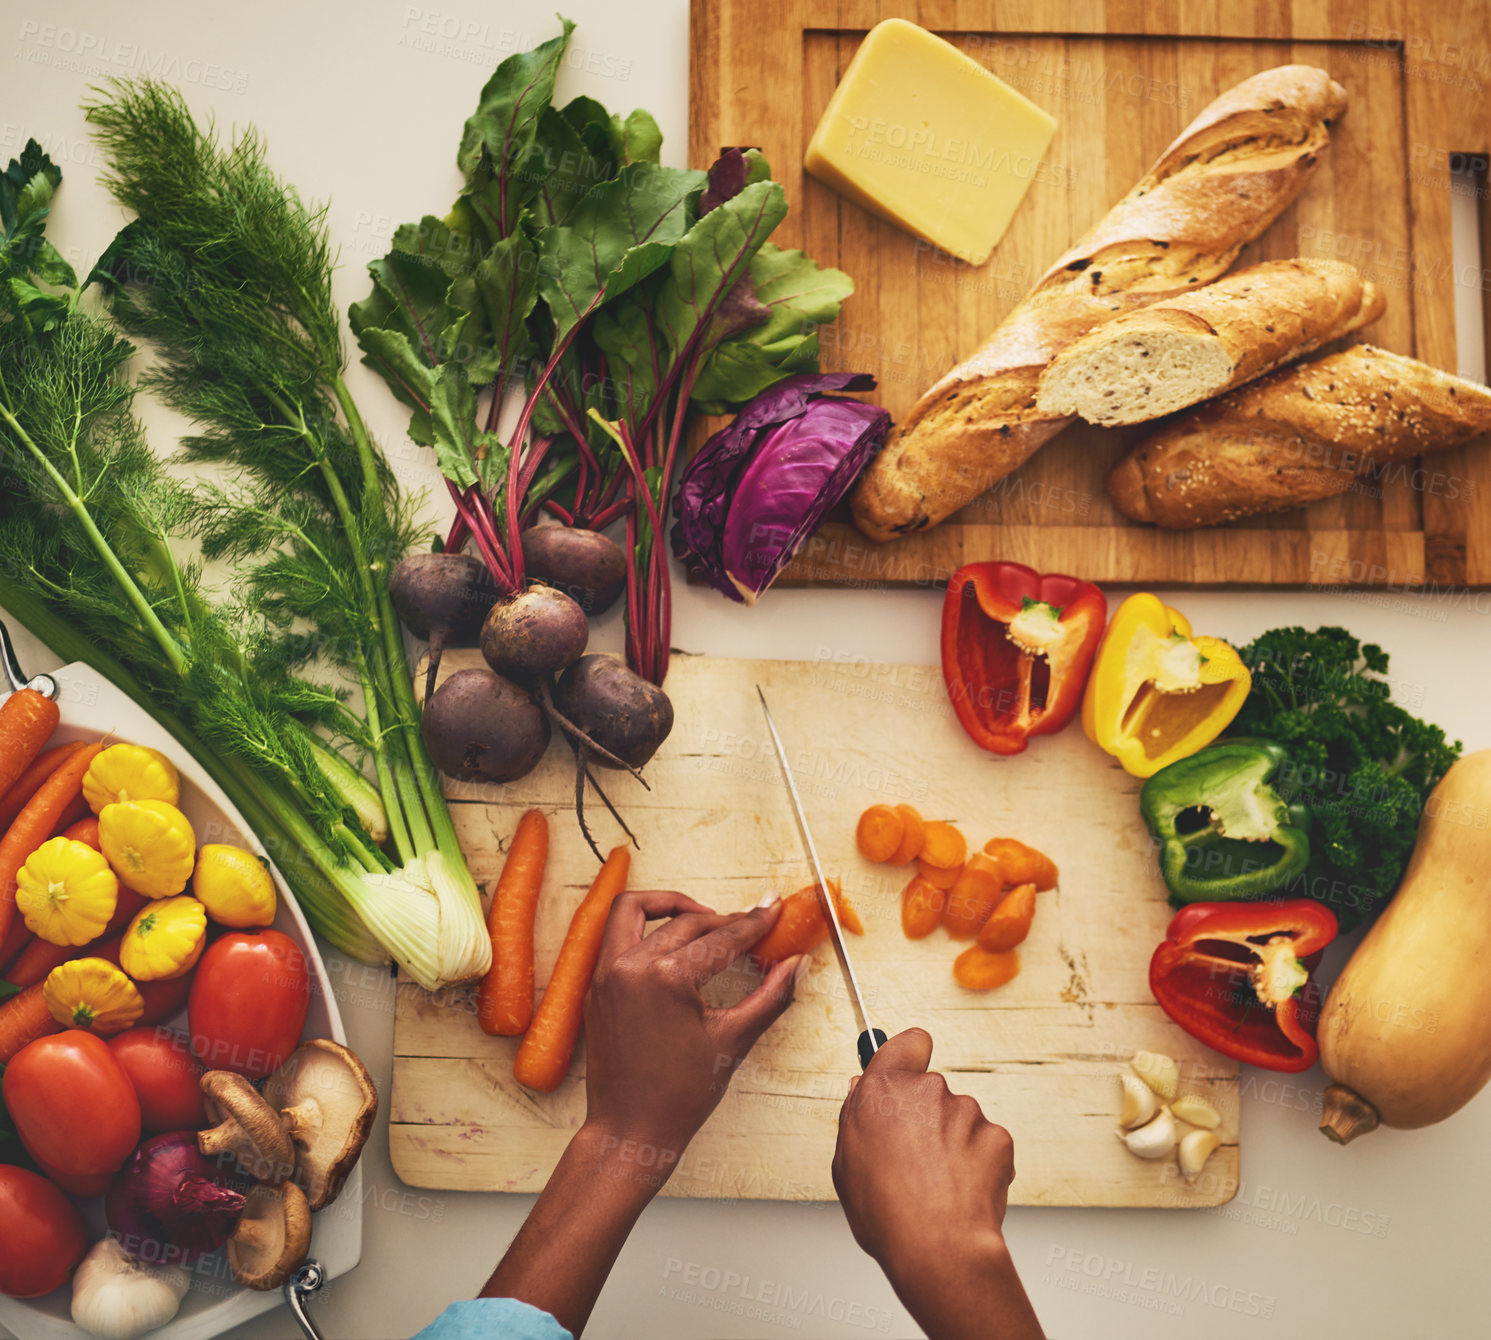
{"x": 539, "y": 631}
{"x": 584, "y": 564}
{"x": 615, "y": 708}
{"x": 480, "y": 727}
{"x": 442, "y": 597}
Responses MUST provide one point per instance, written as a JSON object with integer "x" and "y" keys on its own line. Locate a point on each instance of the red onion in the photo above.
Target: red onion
{"x": 169, "y": 1205}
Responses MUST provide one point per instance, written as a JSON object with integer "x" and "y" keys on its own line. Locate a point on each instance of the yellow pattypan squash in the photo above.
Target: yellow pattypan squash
{"x": 92, "y": 993}
{"x": 66, "y": 892}
{"x": 165, "y": 939}
{"x": 150, "y": 844}
{"x": 130, "y": 772}
{"x": 234, "y": 885}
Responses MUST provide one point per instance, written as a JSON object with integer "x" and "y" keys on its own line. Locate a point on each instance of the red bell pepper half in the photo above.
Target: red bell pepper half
{"x": 1016, "y": 650}
{"x": 1237, "y": 977}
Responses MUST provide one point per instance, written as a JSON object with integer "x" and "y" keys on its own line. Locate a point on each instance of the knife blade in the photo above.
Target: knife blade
{"x": 869, "y": 1038}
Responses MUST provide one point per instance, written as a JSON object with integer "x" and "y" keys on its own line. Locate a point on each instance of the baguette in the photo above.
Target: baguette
{"x": 1229, "y": 175}
{"x": 1188, "y": 349}
{"x": 1306, "y": 432}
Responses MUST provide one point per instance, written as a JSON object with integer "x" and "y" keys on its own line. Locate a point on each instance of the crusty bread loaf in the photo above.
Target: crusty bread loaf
{"x": 1306, "y": 432}
{"x": 1184, "y": 350}
{"x": 1228, "y": 176}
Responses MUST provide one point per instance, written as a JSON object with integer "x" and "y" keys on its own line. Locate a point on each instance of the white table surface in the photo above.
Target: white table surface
{"x": 362, "y": 103}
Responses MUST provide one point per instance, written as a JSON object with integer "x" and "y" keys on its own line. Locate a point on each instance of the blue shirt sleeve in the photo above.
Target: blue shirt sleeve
{"x": 493, "y": 1319}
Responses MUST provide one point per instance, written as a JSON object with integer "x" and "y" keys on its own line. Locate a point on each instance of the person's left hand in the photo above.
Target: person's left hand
{"x": 658, "y": 1058}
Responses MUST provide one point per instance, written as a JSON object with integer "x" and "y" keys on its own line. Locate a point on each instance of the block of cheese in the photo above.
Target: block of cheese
{"x": 929, "y": 140}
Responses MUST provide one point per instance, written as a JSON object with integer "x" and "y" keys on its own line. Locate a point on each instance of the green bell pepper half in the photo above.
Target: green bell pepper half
{"x": 1224, "y": 833}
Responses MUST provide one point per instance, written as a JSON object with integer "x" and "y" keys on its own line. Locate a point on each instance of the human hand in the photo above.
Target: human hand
{"x": 923, "y": 1177}
{"x": 658, "y": 1058}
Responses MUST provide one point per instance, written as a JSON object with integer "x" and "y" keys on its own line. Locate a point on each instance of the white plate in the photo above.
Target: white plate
{"x": 91, "y": 707}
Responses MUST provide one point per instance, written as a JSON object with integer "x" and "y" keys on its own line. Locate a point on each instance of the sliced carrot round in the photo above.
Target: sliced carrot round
{"x": 942, "y": 877}
{"x": 921, "y": 908}
{"x": 1021, "y": 864}
{"x": 913, "y": 833}
{"x": 973, "y": 896}
{"x": 943, "y": 845}
{"x": 879, "y": 833}
{"x": 1009, "y": 923}
{"x": 979, "y": 970}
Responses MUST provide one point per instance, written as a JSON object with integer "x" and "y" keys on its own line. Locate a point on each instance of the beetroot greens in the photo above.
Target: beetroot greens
{"x": 613, "y": 295}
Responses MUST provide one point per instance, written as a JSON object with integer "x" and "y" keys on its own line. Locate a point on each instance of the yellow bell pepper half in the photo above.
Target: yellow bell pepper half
{"x": 1156, "y": 693}
{"x": 150, "y": 844}
{"x": 165, "y": 939}
{"x": 130, "y": 772}
{"x": 66, "y": 892}
{"x": 92, "y": 993}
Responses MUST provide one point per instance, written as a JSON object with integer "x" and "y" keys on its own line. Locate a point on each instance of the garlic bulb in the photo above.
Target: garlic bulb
{"x": 1195, "y": 1149}
{"x": 1196, "y": 1111}
{"x": 1139, "y": 1102}
{"x": 1155, "y": 1139}
{"x": 118, "y": 1297}
{"x": 1158, "y": 1071}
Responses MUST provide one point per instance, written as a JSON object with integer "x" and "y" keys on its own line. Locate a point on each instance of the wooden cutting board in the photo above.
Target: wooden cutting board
{"x": 1041, "y": 1054}
{"x": 1123, "y": 78}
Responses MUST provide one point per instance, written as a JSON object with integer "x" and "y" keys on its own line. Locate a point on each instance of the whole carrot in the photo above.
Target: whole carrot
{"x": 39, "y": 957}
{"x": 544, "y": 1054}
{"x": 85, "y": 830}
{"x": 74, "y": 812}
{"x": 24, "y": 1018}
{"x": 13, "y": 943}
{"x": 47, "y": 762}
{"x": 504, "y": 1000}
{"x": 34, "y": 824}
{"x": 27, "y": 720}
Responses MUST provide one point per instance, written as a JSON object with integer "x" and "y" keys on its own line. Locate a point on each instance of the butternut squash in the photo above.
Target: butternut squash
{"x": 1406, "y": 1030}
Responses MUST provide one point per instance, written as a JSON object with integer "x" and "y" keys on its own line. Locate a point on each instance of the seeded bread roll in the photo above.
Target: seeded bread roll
{"x": 1228, "y": 176}
{"x": 1184, "y": 350}
{"x": 1306, "y": 432}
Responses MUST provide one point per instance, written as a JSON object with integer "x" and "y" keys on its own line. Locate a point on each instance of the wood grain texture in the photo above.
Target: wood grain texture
{"x": 1041, "y": 1054}
{"x": 1123, "y": 77}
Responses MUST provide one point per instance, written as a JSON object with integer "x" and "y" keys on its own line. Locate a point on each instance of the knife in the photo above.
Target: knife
{"x": 870, "y": 1039}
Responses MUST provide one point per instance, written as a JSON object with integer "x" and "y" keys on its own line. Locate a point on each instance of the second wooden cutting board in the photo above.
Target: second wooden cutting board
{"x": 1041, "y": 1054}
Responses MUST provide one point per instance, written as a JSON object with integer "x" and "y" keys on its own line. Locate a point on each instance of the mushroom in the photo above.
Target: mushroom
{"x": 273, "y": 1236}
{"x": 326, "y": 1100}
{"x": 247, "y": 1128}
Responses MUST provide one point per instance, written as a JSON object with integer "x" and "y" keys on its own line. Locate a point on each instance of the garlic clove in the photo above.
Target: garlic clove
{"x": 1155, "y": 1139}
{"x": 1196, "y": 1111}
{"x": 1158, "y": 1071}
{"x": 1139, "y": 1102}
{"x": 1195, "y": 1148}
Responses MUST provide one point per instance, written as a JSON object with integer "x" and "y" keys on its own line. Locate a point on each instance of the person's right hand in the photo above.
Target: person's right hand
{"x": 916, "y": 1163}
{"x": 924, "y": 1180}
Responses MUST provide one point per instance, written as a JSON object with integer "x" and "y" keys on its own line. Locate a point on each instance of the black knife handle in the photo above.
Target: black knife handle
{"x": 867, "y": 1049}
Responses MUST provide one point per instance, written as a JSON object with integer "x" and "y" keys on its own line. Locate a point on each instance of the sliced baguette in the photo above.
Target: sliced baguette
{"x": 1231, "y": 172}
{"x": 1184, "y": 350}
{"x": 1306, "y": 432}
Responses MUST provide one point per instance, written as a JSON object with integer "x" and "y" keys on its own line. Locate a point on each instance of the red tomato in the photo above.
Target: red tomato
{"x": 73, "y": 1106}
{"x": 166, "y": 1076}
{"x": 82, "y": 1185}
{"x": 248, "y": 1003}
{"x": 42, "y": 1237}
